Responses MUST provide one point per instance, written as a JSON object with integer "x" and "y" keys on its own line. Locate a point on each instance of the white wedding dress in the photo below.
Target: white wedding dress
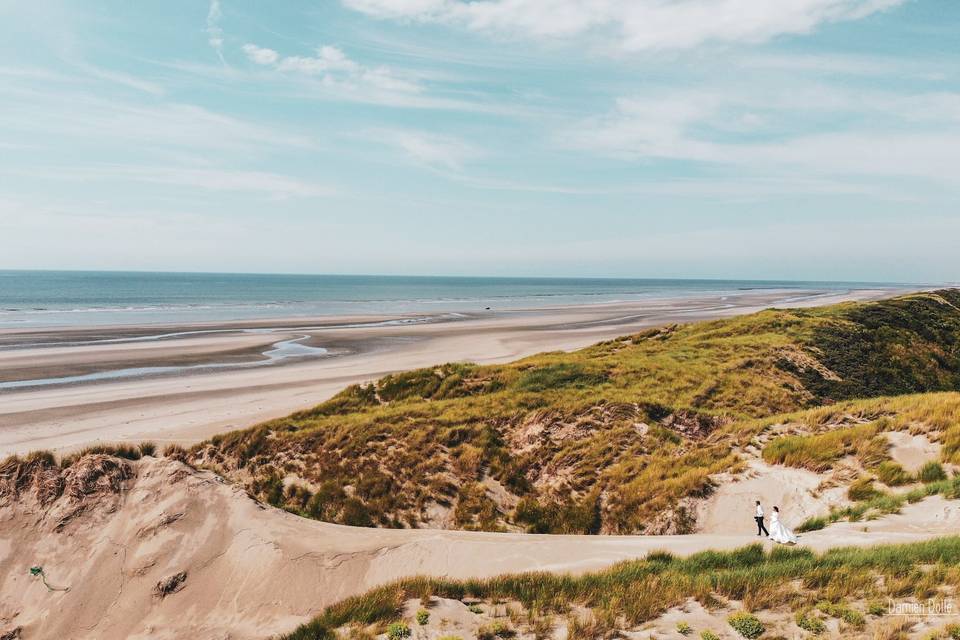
{"x": 779, "y": 533}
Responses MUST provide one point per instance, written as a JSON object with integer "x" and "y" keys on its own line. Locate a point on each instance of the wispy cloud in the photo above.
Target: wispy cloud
{"x": 806, "y": 132}
{"x": 331, "y": 73}
{"x": 214, "y": 31}
{"x": 225, "y": 180}
{"x": 638, "y": 25}
{"x": 168, "y": 125}
{"x": 428, "y": 149}
{"x": 123, "y": 79}
{"x": 335, "y": 69}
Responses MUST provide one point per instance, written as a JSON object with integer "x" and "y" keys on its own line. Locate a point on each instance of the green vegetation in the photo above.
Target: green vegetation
{"x": 684, "y": 628}
{"x": 126, "y": 451}
{"x": 900, "y": 346}
{"x": 708, "y": 635}
{"x": 862, "y": 490}
{"x": 880, "y": 503}
{"x": 843, "y": 612}
{"x": 931, "y": 472}
{"x": 612, "y": 438}
{"x": 398, "y": 631}
{"x": 818, "y": 452}
{"x": 423, "y": 617}
{"x": 807, "y": 621}
{"x": 812, "y": 524}
{"x": 496, "y": 629}
{"x": 892, "y": 474}
{"x": 638, "y": 591}
{"x": 746, "y": 624}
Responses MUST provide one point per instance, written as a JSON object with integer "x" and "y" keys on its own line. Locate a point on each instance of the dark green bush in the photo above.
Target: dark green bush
{"x": 746, "y": 624}
{"x": 557, "y": 376}
{"x": 931, "y": 472}
{"x": 398, "y": 631}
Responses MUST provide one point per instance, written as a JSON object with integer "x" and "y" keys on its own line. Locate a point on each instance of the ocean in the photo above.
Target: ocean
{"x": 81, "y": 298}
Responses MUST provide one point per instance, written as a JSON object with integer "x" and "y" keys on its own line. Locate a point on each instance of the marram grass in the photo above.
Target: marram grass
{"x": 611, "y": 437}
{"x": 637, "y": 591}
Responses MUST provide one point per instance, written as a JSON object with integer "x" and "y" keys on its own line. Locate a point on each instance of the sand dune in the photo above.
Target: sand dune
{"x": 253, "y": 571}
{"x": 189, "y": 408}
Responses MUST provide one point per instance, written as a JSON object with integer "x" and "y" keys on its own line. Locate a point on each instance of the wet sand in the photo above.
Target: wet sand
{"x": 142, "y": 383}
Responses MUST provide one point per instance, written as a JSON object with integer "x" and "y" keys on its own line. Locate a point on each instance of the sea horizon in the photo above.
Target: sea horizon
{"x": 44, "y": 298}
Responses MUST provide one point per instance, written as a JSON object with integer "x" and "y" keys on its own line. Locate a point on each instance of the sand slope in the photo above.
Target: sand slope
{"x": 253, "y": 571}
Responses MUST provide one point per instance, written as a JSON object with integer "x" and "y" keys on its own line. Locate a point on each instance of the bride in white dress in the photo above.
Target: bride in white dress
{"x": 778, "y": 532}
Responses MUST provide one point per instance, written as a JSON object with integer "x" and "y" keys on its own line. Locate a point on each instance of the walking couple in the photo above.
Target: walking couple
{"x": 779, "y": 532}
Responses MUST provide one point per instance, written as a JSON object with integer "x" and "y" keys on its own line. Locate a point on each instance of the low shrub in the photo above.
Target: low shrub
{"x": 808, "y": 622}
{"x": 862, "y": 489}
{"x": 708, "y": 635}
{"x": 126, "y": 451}
{"x": 684, "y": 629}
{"x": 812, "y": 524}
{"x": 876, "y": 608}
{"x": 843, "y": 612}
{"x": 931, "y": 472}
{"x": 556, "y": 376}
{"x": 496, "y": 629}
{"x": 398, "y": 631}
{"x": 423, "y": 617}
{"x": 175, "y": 452}
{"x": 915, "y": 495}
{"x": 746, "y": 624}
{"x": 853, "y": 617}
{"x": 892, "y": 474}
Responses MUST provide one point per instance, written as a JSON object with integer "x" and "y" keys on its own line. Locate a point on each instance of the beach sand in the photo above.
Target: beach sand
{"x": 201, "y": 402}
{"x": 253, "y": 571}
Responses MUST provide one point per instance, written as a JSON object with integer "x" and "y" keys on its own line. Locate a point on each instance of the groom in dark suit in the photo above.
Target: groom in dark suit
{"x": 761, "y": 530}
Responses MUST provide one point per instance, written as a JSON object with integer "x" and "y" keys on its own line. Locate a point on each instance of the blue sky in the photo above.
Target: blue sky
{"x": 809, "y": 139}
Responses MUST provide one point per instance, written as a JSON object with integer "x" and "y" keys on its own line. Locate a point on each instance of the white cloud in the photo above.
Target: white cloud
{"x": 337, "y": 71}
{"x": 428, "y": 149}
{"x": 260, "y": 55}
{"x": 634, "y": 25}
{"x": 867, "y": 135}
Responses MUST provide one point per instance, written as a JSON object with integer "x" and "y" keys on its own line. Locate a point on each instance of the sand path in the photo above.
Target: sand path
{"x": 255, "y": 571}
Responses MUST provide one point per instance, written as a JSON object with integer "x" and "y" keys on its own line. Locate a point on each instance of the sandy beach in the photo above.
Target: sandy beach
{"x": 185, "y": 383}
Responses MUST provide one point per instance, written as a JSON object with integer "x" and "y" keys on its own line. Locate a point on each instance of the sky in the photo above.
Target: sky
{"x": 796, "y": 139}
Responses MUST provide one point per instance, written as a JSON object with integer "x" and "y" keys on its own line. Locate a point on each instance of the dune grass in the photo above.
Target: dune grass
{"x": 819, "y": 452}
{"x": 638, "y": 591}
{"x": 874, "y": 503}
{"x": 634, "y": 424}
{"x": 892, "y": 474}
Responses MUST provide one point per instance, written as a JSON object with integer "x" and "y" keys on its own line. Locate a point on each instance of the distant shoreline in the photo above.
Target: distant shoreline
{"x": 222, "y": 391}
{"x": 107, "y": 299}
